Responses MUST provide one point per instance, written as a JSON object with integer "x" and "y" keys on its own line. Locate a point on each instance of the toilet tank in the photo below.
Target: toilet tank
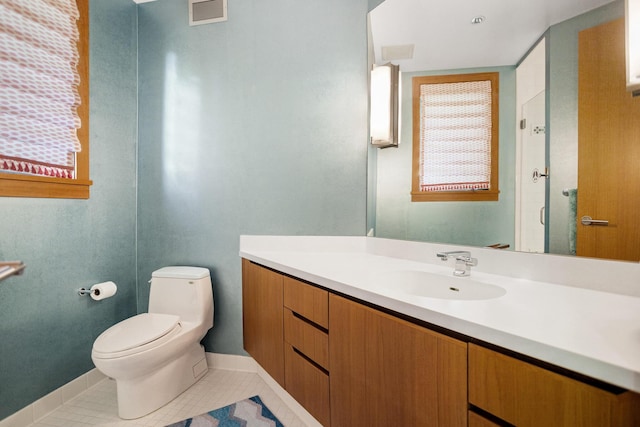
{"x": 184, "y": 291}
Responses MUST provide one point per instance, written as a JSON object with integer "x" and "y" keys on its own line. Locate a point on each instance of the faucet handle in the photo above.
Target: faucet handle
{"x": 444, "y": 256}
{"x": 463, "y": 261}
{"x": 468, "y": 261}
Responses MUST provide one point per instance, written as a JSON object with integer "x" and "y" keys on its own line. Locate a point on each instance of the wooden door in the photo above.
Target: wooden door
{"x": 608, "y": 147}
{"x": 263, "y": 318}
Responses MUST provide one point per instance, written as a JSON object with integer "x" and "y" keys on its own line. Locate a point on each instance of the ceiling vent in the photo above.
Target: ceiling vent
{"x": 207, "y": 11}
{"x": 391, "y": 53}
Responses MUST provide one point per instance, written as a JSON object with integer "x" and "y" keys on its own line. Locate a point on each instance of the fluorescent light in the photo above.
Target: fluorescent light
{"x": 384, "y": 115}
{"x": 632, "y": 37}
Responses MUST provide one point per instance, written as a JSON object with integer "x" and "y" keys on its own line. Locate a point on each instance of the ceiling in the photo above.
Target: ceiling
{"x": 445, "y": 38}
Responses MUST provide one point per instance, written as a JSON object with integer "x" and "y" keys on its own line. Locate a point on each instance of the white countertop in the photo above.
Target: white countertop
{"x": 588, "y": 331}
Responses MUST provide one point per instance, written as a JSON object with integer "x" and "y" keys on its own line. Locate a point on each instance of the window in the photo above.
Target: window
{"x": 38, "y": 105}
{"x": 455, "y": 138}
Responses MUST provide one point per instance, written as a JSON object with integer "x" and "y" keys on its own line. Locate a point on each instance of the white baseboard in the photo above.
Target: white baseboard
{"x": 231, "y": 362}
{"x": 52, "y": 401}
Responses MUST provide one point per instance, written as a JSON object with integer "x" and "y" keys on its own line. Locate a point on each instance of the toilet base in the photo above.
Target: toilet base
{"x": 140, "y": 396}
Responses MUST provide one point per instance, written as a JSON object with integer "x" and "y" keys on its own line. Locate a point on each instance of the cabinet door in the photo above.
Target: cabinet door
{"x": 262, "y": 318}
{"x": 392, "y": 371}
{"x": 347, "y": 351}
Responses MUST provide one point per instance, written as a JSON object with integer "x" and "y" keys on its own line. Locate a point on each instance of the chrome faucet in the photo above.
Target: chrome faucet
{"x": 464, "y": 262}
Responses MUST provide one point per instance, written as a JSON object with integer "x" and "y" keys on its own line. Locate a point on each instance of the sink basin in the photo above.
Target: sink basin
{"x": 430, "y": 285}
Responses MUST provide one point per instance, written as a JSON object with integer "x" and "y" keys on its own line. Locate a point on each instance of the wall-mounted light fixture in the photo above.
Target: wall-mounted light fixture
{"x": 385, "y": 105}
{"x": 632, "y": 38}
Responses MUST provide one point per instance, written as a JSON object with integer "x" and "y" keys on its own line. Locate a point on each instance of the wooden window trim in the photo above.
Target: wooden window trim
{"x": 447, "y": 196}
{"x": 17, "y": 185}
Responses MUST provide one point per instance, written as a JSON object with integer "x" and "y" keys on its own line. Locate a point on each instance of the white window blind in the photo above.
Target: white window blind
{"x": 39, "y": 87}
{"x": 455, "y": 136}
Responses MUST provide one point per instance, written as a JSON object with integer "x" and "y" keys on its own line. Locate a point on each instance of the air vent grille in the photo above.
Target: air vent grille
{"x": 207, "y": 11}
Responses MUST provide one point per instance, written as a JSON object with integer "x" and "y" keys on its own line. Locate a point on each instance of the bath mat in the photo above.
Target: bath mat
{"x": 250, "y": 412}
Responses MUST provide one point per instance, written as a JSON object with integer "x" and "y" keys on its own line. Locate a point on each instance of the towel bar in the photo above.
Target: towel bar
{"x": 498, "y": 246}
{"x": 10, "y": 268}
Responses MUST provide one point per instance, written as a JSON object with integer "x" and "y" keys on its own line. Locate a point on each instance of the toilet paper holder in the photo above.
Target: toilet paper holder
{"x": 99, "y": 291}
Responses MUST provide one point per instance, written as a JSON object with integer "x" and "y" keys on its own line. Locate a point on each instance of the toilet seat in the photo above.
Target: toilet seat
{"x": 136, "y": 334}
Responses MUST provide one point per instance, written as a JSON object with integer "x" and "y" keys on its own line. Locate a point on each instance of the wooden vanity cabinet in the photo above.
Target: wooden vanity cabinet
{"x": 524, "y": 395}
{"x": 262, "y": 318}
{"x": 352, "y": 365}
{"x": 389, "y": 372}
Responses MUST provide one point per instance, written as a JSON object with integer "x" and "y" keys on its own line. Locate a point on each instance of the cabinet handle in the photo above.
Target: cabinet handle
{"x": 309, "y": 360}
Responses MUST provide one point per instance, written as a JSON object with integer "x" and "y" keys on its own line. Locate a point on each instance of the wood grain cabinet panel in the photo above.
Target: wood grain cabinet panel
{"x": 263, "y": 318}
{"x": 386, "y": 371}
{"x": 476, "y": 420}
{"x": 527, "y": 395}
{"x": 308, "y": 301}
{"x": 347, "y": 356}
{"x": 308, "y": 384}
{"x": 309, "y": 340}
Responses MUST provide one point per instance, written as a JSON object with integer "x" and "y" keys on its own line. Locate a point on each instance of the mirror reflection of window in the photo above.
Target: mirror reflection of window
{"x": 455, "y": 137}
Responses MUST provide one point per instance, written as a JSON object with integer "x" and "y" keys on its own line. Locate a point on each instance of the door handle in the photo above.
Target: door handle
{"x": 542, "y": 215}
{"x": 587, "y": 220}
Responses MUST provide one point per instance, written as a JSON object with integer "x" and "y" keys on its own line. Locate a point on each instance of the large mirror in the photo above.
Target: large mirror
{"x": 427, "y": 37}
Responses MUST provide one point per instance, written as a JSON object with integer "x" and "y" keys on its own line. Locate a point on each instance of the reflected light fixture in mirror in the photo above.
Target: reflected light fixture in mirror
{"x": 385, "y": 105}
{"x": 632, "y": 36}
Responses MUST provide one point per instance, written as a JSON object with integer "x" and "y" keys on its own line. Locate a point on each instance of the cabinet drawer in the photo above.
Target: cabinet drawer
{"x": 308, "y": 339}
{"x": 308, "y": 301}
{"x": 527, "y": 395}
{"x": 308, "y": 384}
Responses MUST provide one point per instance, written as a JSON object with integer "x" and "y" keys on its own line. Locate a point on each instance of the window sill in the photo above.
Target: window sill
{"x": 455, "y": 196}
{"x": 35, "y": 186}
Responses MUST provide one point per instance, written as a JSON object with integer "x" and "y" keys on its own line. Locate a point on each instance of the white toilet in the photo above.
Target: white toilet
{"x": 155, "y": 356}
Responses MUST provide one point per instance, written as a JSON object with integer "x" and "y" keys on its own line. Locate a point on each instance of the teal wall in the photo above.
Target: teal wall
{"x": 255, "y": 125}
{"x": 374, "y": 3}
{"x": 468, "y": 223}
{"x": 47, "y": 329}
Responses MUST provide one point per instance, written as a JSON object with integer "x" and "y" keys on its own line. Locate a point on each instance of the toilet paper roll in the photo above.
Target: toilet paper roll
{"x": 103, "y": 290}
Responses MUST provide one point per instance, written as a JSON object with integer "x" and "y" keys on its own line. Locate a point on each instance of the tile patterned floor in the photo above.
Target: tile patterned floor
{"x": 98, "y": 405}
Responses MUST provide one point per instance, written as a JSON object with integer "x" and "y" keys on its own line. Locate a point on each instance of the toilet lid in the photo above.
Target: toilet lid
{"x": 135, "y": 332}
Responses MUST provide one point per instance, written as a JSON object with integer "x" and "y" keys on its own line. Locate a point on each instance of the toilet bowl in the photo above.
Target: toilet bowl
{"x": 155, "y": 356}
